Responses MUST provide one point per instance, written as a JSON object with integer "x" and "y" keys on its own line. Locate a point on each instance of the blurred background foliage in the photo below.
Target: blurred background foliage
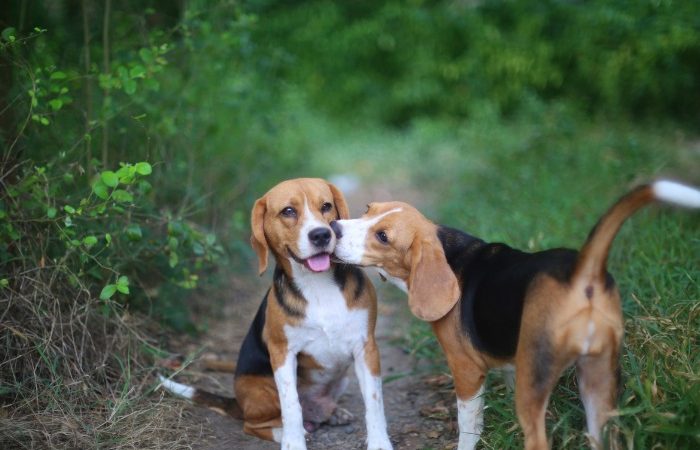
{"x": 224, "y": 98}
{"x": 135, "y": 135}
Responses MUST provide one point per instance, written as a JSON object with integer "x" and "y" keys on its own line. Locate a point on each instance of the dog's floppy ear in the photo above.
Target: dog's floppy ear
{"x": 432, "y": 286}
{"x": 340, "y": 204}
{"x": 257, "y": 239}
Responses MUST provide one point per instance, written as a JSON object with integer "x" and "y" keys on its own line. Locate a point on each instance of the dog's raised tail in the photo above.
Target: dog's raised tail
{"x": 226, "y": 405}
{"x": 592, "y": 259}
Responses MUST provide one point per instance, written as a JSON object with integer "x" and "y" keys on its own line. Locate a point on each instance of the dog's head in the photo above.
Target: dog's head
{"x": 292, "y": 221}
{"x": 399, "y": 240}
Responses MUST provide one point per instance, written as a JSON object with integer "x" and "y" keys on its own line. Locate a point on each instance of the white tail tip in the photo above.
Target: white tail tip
{"x": 181, "y": 390}
{"x": 679, "y": 194}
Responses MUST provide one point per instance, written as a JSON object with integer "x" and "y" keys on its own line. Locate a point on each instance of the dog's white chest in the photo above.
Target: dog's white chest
{"x": 331, "y": 331}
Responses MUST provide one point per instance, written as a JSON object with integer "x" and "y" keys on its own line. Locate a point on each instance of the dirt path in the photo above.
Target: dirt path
{"x": 419, "y": 411}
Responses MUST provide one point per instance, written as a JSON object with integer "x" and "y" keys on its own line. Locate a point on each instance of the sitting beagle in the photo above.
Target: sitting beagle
{"x": 491, "y": 305}
{"x": 314, "y": 322}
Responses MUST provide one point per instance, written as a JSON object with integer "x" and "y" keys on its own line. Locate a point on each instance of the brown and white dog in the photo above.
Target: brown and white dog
{"x": 491, "y": 305}
{"x": 314, "y": 322}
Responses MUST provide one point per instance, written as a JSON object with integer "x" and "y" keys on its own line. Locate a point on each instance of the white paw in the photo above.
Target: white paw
{"x": 467, "y": 441}
{"x": 382, "y": 443}
{"x": 293, "y": 442}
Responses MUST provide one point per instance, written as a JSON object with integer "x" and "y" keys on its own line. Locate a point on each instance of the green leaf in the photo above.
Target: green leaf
{"x": 108, "y": 291}
{"x": 122, "y": 196}
{"x": 146, "y": 55}
{"x": 105, "y": 81}
{"x": 89, "y": 241}
{"x": 58, "y": 75}
{"x": 56, "y": 104}
{"x": 109, "y": 178}
{"x": 173, "y": 259}
{"x": 8, "y": 34}
{"x": 69, "y": 209}
{"x": 130, "y": 87}
{"x": 126, "y": 174}
{"x": 138, "y": 71}
{"x": 4, "y": 283}
{"x": 123, "y": 284}
{"x": 51, "y": 212}
{"x": 133, "y": 232}
{"x": 108, "y": 238}
{"x": 123, "y": 289}
{"x": 44, "y": 121}
{"x": 143, "y": 168}
{"x": 100, "y": 190}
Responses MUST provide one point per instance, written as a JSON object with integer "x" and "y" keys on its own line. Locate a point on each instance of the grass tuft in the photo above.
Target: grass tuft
{"x": 73, "y": 374}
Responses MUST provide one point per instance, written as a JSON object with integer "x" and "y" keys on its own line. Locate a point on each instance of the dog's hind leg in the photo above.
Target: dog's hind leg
{"x": 598, "y": 381}
{"x": 538, "y": 369}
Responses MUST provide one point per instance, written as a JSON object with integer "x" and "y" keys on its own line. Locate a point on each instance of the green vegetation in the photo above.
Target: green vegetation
{"x": 135, "y": 137}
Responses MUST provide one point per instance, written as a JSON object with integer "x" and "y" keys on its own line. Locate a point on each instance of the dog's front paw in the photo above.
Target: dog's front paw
{"x": 340, "y": 416}
{"x": 382, "y": 443}
{"x": 293, "y": 441}
{"x": 293, "y": 445}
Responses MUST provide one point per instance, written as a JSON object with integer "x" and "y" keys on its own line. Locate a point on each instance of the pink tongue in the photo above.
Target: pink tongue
{"x": 319, "y": 263}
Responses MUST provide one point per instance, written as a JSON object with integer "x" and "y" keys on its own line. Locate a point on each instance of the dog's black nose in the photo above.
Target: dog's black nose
{"x": 320, "y": 237}
{"x": 337, "y": 229}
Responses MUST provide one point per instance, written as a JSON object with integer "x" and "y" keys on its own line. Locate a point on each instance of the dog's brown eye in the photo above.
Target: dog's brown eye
{"x": 289, "y": 212}
{"x": 326, "y": 207}
{"x": 382, "y": 237}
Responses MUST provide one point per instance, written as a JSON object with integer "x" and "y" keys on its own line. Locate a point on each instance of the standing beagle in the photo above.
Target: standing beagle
{"x": 314, "y": 322}
{"x": 491, "y": 305}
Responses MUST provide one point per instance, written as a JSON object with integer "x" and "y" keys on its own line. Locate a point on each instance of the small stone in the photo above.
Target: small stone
{"x": 410, "y": 428}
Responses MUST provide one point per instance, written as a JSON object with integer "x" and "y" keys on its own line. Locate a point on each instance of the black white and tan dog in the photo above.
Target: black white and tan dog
{"x": 491, "y": 305}
{"x": 315, "y": 321}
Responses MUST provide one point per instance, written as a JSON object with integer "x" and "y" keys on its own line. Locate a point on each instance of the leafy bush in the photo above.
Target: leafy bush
{"x": 399, "y": 60}
{"x": 125, "y": 180}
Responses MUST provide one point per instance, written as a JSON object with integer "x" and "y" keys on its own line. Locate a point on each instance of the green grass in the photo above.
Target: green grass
{"x": 543, "y": 181}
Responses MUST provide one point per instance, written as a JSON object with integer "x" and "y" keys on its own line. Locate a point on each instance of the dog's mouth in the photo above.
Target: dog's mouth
{"x": 317, "y": 263}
